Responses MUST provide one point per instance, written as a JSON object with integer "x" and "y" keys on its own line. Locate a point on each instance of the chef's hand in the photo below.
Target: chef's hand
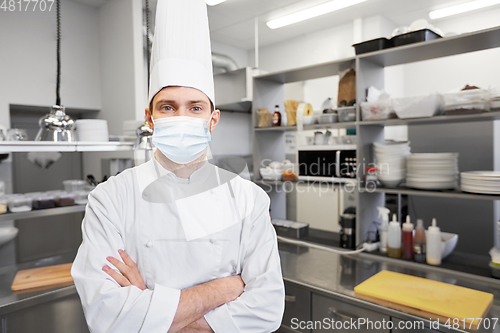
{"x": 129, "y": 272}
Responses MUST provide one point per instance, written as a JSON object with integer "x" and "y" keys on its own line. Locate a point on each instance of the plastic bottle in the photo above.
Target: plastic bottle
{"x": 384, "y": 227}
{"x": 394, "y": 239}
{"x": 407, "y": 253}
{"x": 419, "y": 242}
{"x": 433, "y": 245}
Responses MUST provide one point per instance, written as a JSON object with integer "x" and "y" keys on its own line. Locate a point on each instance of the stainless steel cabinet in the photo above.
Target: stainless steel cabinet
{"x": 329, "y": 311}
{"x": 63, "y": 315}
{"x": 297, "y": 306}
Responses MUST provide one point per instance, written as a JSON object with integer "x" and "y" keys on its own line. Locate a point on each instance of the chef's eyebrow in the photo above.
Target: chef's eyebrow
{"x": 175, "y": 102}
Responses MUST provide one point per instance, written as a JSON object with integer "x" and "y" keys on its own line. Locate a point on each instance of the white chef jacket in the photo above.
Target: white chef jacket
{"x": 153, "y": 234}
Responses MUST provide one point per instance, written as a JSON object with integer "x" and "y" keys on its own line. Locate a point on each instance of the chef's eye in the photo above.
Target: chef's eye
{"x": 167, "y": 108}
{"x": 197, "y": 108}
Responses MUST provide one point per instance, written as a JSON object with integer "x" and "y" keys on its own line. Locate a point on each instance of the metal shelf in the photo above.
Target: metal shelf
{"x": 39, "y": 146}
{"x": 438, "y": 48}
{"x": 42, "y": 213}
{"x": 454, "y": 194}
{"x": 485, "y": 116}
{"x": 309, "y": 72}
{"x": 347, "y": 125}
{"x": 276, "y": 129}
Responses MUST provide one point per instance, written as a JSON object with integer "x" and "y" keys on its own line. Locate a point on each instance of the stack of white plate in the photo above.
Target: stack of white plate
{"x": 130, "y": 127}
{"x": 94, "y": 130}
{"x": 432, "y": 171}
{"x": 485, "y": 182}
{"x": 391, "y": 162}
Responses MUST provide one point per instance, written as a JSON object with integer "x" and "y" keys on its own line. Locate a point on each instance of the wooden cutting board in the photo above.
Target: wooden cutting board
{"x": 43, "y": 277}
{"x": 426, "y": 298}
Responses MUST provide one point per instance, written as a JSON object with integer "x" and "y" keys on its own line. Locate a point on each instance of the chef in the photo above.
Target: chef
{"x": 177, "y": 244}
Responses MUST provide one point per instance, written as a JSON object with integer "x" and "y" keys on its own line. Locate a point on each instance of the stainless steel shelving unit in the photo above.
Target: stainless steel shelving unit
{"x": 42, "y": 213}
{"x": 79, "y": 146}
{"x": 269, "y": 90}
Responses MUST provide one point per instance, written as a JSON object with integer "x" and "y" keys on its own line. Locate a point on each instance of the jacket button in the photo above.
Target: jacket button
{"x": 149, "y": 243}
{"x": 212, "y": 240}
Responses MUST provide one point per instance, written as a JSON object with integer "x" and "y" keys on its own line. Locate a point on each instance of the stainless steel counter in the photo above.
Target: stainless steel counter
{"x": 14, "y": 301}
{"x": 337, "y": 275}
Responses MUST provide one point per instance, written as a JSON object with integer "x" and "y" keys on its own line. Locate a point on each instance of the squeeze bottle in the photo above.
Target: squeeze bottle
{"x": 394, "y": 239}
{"x": 384, "y": 227}
{"x": 433, "y": 244}
{"x": 419, "y": 242}
{"x": 407, "y": 239}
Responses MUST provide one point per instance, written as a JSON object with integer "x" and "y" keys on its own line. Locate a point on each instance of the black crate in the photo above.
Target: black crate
{"x": 372, "y": 45}
{"x": 414, "y": 37}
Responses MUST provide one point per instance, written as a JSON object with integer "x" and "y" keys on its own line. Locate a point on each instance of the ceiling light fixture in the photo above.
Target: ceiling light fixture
{"x": 462, "y": 8}
{"x": 214, "y": 2}
{"x": 309, "y": 13}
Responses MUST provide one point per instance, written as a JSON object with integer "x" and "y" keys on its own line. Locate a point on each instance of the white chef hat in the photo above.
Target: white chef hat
{"x": 181, "y": 54}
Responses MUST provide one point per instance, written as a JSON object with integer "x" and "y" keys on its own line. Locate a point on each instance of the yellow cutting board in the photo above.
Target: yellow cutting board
{"x": 43, "y": 277}
{"x": 426, "y": 298}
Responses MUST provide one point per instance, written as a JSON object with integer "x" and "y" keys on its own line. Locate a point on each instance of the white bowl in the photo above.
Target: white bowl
{"x": 7, "y": 234}
{"x": 391, "y": 183}
{"x": 271, "y": 174}
{"x": 308, "y": 120}
{"x": 448, "y": 243}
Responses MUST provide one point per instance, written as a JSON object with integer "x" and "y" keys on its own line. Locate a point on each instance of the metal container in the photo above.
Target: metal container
{"x": 56, "y": 126}
{"x": 348, "y": 231}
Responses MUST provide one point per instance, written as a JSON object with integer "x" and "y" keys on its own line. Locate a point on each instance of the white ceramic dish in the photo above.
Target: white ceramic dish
{"x": 418, "y": 107}
{"x": 7, "y": 234}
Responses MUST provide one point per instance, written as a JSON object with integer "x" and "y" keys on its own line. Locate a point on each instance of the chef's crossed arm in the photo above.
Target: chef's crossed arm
{"x": 126, "y": 306}
{"x": 194, "y": 302}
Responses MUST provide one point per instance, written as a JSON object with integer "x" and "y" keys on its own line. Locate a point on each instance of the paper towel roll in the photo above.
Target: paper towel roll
{"x": 305, "y": 109}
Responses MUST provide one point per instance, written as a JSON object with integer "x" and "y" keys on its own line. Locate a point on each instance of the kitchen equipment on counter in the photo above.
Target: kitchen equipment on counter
{"x": 319, "y": 138}
{"x": 290, "y": 229}
{"x": 466, "y": 101}
{"x": 391, "y": 162}
{"x": 50, "y": 276}
{"x": 348, "y": 231}
{"x": 424, "y": 297}
{"x": 372, "y": 45}
{"x": 329, "y": 106}
{"x": 74, "y": 185}
{"x": 19, "y": 203}
{"x": 327, "y": 162}
{"x": 56, "y": 126}
{"x": 417, "y": 36}
{"x": 418, "y": 107}
{"x": 93, "y": 130}
{"x": 17, "y": 134}
{"x": 377, "y": 110}
{"x": 347, "y": 114}
{"x": 483, "y": 182}
{"x": 432, "y": 171}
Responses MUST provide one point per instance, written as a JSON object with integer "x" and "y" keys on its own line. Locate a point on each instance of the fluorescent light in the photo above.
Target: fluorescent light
{"x": 308, "y": 13}
{"x": 214, "y": 2}
{"x": 462, "y": 8}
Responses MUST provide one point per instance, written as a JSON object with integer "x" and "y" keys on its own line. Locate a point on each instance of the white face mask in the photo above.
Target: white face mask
{"x": 182, "y": 139}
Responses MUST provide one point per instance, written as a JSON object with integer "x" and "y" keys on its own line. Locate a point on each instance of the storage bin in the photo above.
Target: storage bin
{"x": 43, "y": 201}
{"x": 372, "y": 45}
{"x": 81, "y": 197}
{"x": 377, "y": 110}
{"x": 327, "y": 118}
{"x": 347, "y": 114}
{"x": 64, "y": 199}
{"x": 74, "y": 185}
{"x": 19, "y": 203}
{"x": 414, "y": 37}
{"x": 418, "y": 107}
